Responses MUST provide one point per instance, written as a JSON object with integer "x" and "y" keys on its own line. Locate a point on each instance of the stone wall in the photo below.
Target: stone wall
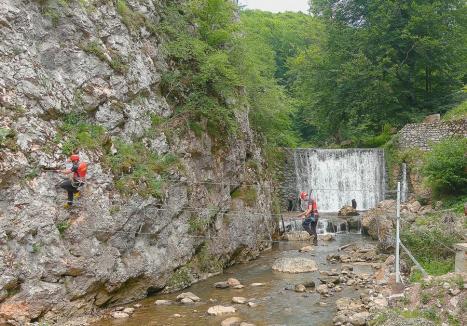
{"x": 289, "y": 184}
{"x": 420, "y": 135}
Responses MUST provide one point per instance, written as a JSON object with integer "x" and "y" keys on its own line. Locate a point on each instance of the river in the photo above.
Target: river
{"x": 276, "y": 306}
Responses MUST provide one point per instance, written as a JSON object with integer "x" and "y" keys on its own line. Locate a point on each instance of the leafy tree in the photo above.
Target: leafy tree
{"x": 380, "y": 62}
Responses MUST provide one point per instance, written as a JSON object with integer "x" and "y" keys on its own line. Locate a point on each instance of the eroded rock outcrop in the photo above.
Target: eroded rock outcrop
{"x": 118, "y": 244}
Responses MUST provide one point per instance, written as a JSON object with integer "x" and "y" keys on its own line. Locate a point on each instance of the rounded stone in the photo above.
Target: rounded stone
{"x": 294, "y": 265}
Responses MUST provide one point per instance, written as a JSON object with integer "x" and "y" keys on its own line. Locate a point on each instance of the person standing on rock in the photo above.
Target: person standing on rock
{"x": 76, "y": 180}
{"x": 311, "y": 219}
{"x": 303, "y": 197}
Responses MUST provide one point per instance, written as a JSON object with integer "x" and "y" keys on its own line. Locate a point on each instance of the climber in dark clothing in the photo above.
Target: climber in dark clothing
{"x": 311, "y": 220}
{"x": 76, "y": 180}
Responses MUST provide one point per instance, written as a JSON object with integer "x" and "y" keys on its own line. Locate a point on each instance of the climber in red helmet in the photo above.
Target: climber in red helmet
{"x": 78, "y": 175}
{"x": 311, "y": 219}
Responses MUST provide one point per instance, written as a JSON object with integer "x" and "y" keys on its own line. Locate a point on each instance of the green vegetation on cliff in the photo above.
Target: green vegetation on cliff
{"x": 218, "y": 69}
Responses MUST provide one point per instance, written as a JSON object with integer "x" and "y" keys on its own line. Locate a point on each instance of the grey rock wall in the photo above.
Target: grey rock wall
{"x": 57, "y": 264}
{"x": 421, "y": 135}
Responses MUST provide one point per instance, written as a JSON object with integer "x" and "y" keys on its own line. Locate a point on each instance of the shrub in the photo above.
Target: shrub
{"x": 139, "y": 170}
{"x": 445, "y": 167}
{"x": 430, "y": 246}
{"x": 62, "y": 227}
{"x": 75, "y": 133}
{"x": 247, "y": 194}
{"x": 197, "y": 224}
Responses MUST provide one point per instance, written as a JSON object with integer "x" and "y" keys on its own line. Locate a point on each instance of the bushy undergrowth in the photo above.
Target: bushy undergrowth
{"x": 139, "y": 170}
{"x": 445, "y": 167}
{"x": 431, "y": 247}
{"x": 76, "y": 133}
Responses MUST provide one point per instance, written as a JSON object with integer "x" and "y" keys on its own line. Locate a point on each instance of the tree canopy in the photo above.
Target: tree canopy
{"x": 379, "y": 63}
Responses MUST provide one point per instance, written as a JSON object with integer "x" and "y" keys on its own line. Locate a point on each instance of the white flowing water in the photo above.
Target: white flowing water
{"x": 404, "y": 185}
{"x": 336, "y": 176}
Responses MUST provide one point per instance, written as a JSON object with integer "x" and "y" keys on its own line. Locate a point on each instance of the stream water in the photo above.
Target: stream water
{"x": 276, "y": 306}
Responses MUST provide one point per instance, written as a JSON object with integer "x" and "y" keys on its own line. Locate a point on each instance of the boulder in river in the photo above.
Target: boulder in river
{"x": 325, "y": 237}
{"x": 360, "y": 318}
{"x": 300, "y": 288}
{"x": 310, "y": 284}
{"x": 162, "y": 302}
{"x": 296, "y": 236}
{"x": 188, "y": 295}
{"x": 231, "y": 321}
{"x": 322, "y": 289}
{"x": 233, "y": 282}
{"x": 186, "y": 301}
{"x": 129, "y": 310}
{"x": 306, "y": 249}
{"x": 221, "y": 285}
{"x": 240, "y": 300}
{"x": 294, "y": 265}
{"x": 120, "y": 315}
{"x": 220, "y": 310}
{"x": 347, "y": 211}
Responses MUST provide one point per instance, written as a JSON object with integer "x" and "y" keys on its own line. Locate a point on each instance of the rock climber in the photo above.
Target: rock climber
{"x": 311, "y": 219}
{"x": 76, "y": 180}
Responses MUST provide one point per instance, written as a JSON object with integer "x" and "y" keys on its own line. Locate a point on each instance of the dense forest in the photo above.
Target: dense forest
{"x": 346, "y": 74}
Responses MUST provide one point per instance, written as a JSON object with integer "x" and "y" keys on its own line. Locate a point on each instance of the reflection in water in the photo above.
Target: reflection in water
{"x": 276, "y": 306}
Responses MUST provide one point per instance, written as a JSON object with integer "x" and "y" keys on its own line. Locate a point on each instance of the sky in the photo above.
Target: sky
{"x": 276, "y": 5}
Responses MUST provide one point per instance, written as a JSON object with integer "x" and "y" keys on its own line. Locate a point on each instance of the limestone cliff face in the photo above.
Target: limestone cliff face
{"x": 82, "y": 58}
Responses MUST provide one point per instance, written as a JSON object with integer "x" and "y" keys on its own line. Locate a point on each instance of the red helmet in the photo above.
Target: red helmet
{"x": 74, "y": 157}
{"x": 303, "y": 195}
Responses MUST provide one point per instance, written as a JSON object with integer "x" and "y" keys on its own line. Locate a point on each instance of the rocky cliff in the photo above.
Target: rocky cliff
{"x": 166, "y": 203}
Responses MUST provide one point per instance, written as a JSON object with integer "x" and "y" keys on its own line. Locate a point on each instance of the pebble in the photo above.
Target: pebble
{"x": 240, "y": 300}
{"x": 257, "y": 284}
{"x": 300, "y": 288}
{"x": 239, "y": 286}
{"x": 323, "y": 304}
{"x": 129, "y": 310}
{"x": 138, "y": 305}
{"x": 119, "y": 315}
{"x": 163, "y": 302}
{"x": 231, "y": 321}
{"x": 252, "y": 304}
{"x": 177, "y": 315}
{"x": 306, "y": 249}
{"x": 454, "y": 291}
{"x": 220, "y": 310}
{"x": 188, "y": 295}
{"x": 221, "y": 285}
{"x": 233, "y": 282}
{"x": 186, "y": 301}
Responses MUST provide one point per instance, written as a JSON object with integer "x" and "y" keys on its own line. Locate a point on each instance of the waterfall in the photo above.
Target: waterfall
{"x": 404, "y": 185}
{"x": 337, "y": 176}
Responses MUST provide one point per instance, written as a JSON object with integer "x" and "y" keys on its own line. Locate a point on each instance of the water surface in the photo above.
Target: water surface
{"x": 276, "y": 306}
